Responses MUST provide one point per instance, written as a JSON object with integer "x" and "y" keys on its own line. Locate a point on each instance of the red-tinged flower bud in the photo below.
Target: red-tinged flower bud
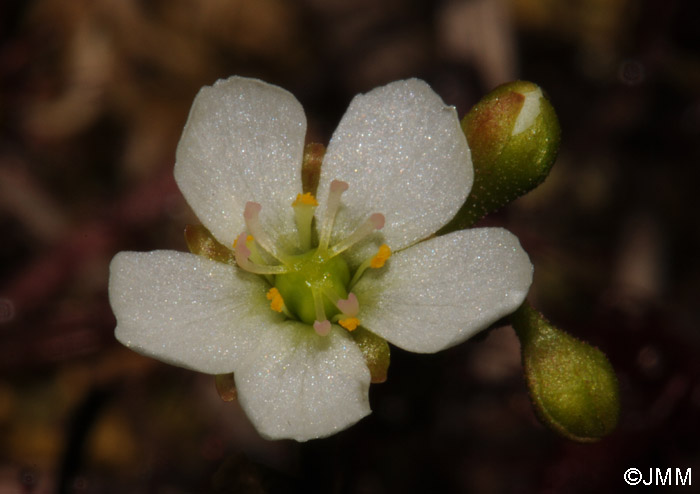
{"x": 513, "y": 134}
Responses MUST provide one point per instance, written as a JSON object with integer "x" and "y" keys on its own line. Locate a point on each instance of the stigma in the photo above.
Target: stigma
{"x": 313, "y": 284}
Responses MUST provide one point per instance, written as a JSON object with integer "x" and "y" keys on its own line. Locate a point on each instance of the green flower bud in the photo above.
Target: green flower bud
{"x": 572, "y": 385}
{"x": 513, "y": 134}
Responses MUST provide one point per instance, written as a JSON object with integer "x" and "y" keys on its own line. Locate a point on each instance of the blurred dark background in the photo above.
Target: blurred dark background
{"x": 93, "y": 97}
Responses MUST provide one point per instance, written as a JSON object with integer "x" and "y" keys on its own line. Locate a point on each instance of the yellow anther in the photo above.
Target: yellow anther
{"x": 350, "y": 323}
{"x": 305, "y": 199}
{"x": 248, "y": 239}
{"x": 276, "y": 301}
{"x": 380, "y": 258}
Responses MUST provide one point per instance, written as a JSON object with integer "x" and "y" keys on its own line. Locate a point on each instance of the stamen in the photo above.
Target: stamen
{"x": 336, "y": 190}
{"x": 350, "y": 306}
{"x": 242, "y": 254}
{"x": 304, "y": 207}
{"x": 247, "y": 241}
{"x": 374, "y": 222}
{"x": 376, "y": 261}
{"x": 254, "y": 256}
{"x": 381, "y": 257}
{"x": 276, "y": 300}
{"x": 251, "y": 215}
{"x": 321, "y": 324}
{"x": 350, "y": 323}
{"x": 306, "y": 199}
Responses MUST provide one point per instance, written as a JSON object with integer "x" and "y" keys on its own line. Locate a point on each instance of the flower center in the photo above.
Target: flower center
{"x": 313, "y": 287}
{"x": 312, "y": 276}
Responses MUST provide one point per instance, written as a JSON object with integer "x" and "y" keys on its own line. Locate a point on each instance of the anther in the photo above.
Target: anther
{"x": 350, "y": 323}
{"x": 275, "y": 298}
{"x": 380, "y": 257}
{"x": 306, "y": 199}
{"x": 376, "y": 261}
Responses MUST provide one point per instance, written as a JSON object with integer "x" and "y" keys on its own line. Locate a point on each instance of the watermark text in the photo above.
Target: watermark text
{"x": 659, "y": 476}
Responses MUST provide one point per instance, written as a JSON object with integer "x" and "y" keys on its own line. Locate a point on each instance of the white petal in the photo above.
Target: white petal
{"x": 187, "y": 310}
{"x": 243, "y": 141}
{"x": 302, "y": 386}
{"x": 440, "y": 292}
{"x": 403, "y": 154}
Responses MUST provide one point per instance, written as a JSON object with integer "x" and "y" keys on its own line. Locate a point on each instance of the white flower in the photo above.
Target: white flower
{"x": 397, "y": 160}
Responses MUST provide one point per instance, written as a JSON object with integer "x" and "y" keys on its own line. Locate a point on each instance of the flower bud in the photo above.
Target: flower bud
{"x": 572, "y": 385}
{"x": 513, "y": 134}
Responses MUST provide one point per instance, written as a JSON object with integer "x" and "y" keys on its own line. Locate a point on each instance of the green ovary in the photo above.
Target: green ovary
{"x": 313, "y": 271}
